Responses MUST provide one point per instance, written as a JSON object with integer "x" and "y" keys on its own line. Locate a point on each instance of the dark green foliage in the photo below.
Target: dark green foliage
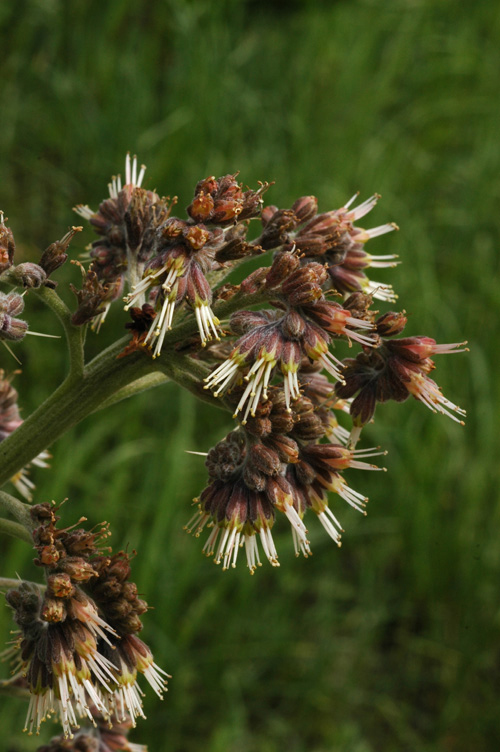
{"x": 392, "y": 642}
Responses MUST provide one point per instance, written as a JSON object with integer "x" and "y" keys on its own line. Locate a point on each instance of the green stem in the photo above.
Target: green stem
{"x": 77, "y": 397}
{"x": 136, "y": 387}
{"x": 17, "y": 509}
{"x": 85, "y": 391}
{"x": 9, "y": 527}
{"x": 74, "y": 334}
{"x": 13, "y": 582}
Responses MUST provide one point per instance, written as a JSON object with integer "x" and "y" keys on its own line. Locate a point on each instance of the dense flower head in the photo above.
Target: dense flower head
{"x": 281, "y": 368}
{"x": 280, "y": 461}
{"x": 7, "y": 245}
{"x": 395, "y": 370}
{"x": 78, "y": 648}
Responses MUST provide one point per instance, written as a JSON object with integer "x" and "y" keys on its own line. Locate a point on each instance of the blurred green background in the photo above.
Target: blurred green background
{"x": 390, "y": 643}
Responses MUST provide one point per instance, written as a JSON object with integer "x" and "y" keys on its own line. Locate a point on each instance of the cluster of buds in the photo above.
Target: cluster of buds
{"x": 285, "y": 458}
{"x": 396, "y": 369}
{"x": 10, "y": 419}
{"x": 167, "y": 260}
{"x": 78, "y": 645}
{"x": 278, "y": 369}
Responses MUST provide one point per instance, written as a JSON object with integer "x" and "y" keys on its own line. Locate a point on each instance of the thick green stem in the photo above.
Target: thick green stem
{"x": 85, "y": 391}
{"x": 136, "y": 387}
{"x": 9, "y": 527}
{"x": 13, "y": 582}
{"x": 77, "y": 397}
{"x": 17, "y": 509}
{"x": 74, "y": 334}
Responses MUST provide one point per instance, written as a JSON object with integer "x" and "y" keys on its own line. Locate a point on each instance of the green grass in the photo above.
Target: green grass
{"x": 392, "y": 641}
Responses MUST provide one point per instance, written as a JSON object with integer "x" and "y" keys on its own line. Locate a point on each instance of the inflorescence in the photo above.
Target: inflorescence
{"x": 269, "y": 350}
{"x": 276, "y": 369}
{"x": 77, "y": 646}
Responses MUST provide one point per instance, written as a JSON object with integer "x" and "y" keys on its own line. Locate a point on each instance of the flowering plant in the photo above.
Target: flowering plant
{"x": 267, "y": 349}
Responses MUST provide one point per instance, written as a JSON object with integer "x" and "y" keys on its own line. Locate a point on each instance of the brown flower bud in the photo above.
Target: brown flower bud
{"x": 53, "y": 610}
{"x": 207, "y": 185}
{"x": 27, "y": 275}
{"x": 267, "y": 214}
{"x": 235, "y": 249}
{"x": 391, "y": 323}
{"x": 55, "y": 255}
{"x": 264, "y": 459}
{"x": 78, "y": 569}
{"x": 305, "y": 208}
{"x": 59, "y": 585}
{"x": 254, "y": 479}
{"x": 7, "y": 245}
{"x": 196, "y": 236}
{"x": 172, "y": 228}
{"x": 201, "y": 209}
{"x": 283, "y": 265}
{"x": 254, "y": 282}
{"x": 285, "y": 447}
{"x": 48, "y": 556}
{"x": 226, "y": 210}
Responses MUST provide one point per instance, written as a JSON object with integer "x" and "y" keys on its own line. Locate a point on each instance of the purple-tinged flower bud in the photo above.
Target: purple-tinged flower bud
{"x": 293, "y": 326}
{"x": 285, "y": 447}
{"x": 391, "y": 323}
{"x": 264, "y": 459}
{"x": 7, "y": 245}
{"x": 237, "y": 249}
{"x": 56, "y": 254}
{"x": 242, "y": 322}
{"x": 12, "y": 329}
{"x": 283, "y": 265}
{"x": 12, "y": 303}
{"x": 254, "y": 478}
{"x": 27, "y": 275}
{"x": 305, "y": 208}
{"x": 304, "y": 285}
{"x": 267, "y": 214}
{"x": 254, "y": 282}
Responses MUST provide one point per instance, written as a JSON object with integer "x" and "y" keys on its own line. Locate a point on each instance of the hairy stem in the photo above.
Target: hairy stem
{"x": 74, "y": 334}
{"x": 17, "y": 509}
{"x": 13, "y": 582}
{"x": 9, "y": 527}
{"x": 136, "y": 387}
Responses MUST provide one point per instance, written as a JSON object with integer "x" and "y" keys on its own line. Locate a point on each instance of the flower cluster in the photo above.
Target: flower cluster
{"x": 170, "y": 260}
{"x": 284, "y": 458}
{"x": 10, "y": 419}
{"x": 78, "y": 644}
{"x": 278, "y": 369}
